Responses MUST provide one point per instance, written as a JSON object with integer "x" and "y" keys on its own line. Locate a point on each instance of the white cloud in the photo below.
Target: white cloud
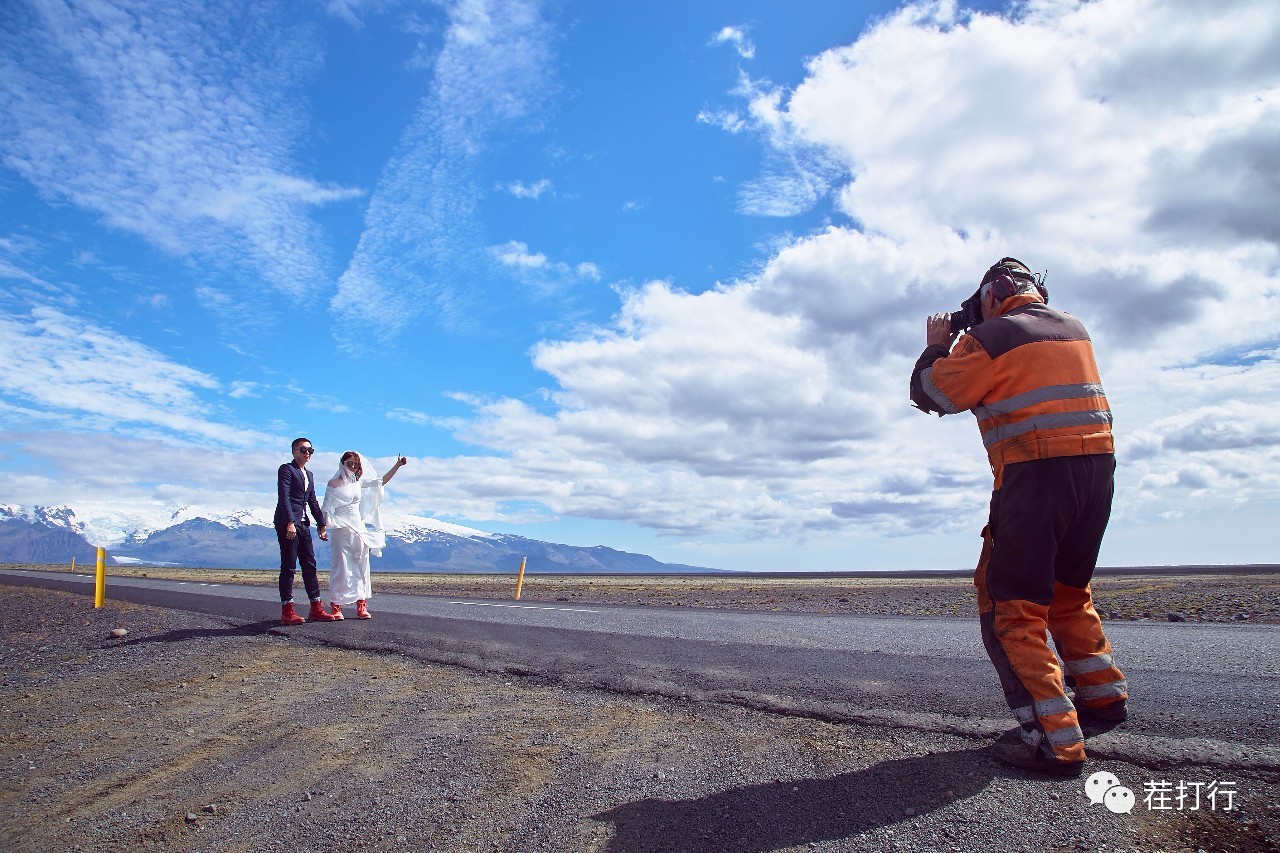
{"x": 241, "y": 389}
{"x": 421, "y": 234}
{"x": 517, "y": 254}
{"x": 727, "y": 120}
{"x": 778, "y": 405}
{"x": 10, "y": 271}
{"x": 736, "y": 36}
{"x": 229, "y": 203}
{"x": 519, "y": 189}
{"x": 796, "y": 173}
{"x": 116, "y": 481}
{"x": 536, "y": 269}
{"x": 409, "y": 416}
{"x": 169, "y": 125}
{"x": 1129, "y": 147}
{"x": 69, "y": 368}
{"x": 354, "y": 11}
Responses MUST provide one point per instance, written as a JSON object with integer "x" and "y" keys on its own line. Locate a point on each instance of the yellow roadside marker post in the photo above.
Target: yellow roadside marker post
{"x": 100, "y": 583}
{"x": 520, "y": 578}
{"x": 73, "y": 565}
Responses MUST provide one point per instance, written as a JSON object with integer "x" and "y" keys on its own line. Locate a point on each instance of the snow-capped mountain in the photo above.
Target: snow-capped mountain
{"x": 42, "y": 535}
{"x": 189, "y": 536}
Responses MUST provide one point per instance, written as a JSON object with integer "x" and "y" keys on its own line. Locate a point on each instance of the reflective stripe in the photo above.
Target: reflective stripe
{"x": 1025, "y": 714}
{"x": 1103, "y": 691}
{"x": 1056, "y": 705}
{"x": 926, "y": 382}
{"x": 1039, "y": 395}
{"x": 1063, "y": 737}
{"x": 1093, "y": 664}
{"x": 1046, "y": 421}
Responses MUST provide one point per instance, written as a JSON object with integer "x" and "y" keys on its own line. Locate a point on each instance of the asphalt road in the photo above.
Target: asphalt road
{"x": 1202, "y": 694}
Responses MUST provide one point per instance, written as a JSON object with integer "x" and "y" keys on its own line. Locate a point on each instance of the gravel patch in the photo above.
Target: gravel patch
{"x": 194, "y": 733}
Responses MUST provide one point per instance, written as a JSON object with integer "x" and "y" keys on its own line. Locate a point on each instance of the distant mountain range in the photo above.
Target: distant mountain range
{"x": 247, "y": 540}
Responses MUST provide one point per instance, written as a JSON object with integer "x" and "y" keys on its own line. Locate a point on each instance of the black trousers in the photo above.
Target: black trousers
{"x": 299, "y": 549}
{"x": 1047, "y": 522}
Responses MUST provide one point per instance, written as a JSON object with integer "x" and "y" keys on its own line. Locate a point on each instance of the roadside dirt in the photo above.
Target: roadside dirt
{"x": 193, "y": 733}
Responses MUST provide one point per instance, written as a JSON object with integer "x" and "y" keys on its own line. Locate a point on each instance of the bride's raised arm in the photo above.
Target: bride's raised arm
{"x": 400, "y": 460}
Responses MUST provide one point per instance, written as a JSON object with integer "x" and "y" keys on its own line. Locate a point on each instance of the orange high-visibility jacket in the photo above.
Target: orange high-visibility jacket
{"x": 1029, "y": 376}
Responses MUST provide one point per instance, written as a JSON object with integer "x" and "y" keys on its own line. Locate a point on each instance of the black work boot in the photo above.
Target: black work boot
{"x": 1095, "y": 721}
{"x": 1011, "y": 749}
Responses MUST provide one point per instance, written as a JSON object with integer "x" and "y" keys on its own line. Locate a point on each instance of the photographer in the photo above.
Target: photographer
{"x": 1028, "y": 374}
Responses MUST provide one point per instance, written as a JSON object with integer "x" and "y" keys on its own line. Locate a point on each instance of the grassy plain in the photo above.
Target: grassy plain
{"x": 1249, "y": 594}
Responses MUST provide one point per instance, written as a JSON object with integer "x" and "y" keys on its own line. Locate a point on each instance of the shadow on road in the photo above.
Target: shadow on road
{"x": 253, "y": 629}
{"x": 796, "y": 812}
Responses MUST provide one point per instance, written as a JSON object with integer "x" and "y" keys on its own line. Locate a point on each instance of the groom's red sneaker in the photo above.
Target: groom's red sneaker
{"x": 317, "y": 613}
{"x": 288, "y": 616}
{"x": 337, "y": 611}
{"x": 362, "y": 610}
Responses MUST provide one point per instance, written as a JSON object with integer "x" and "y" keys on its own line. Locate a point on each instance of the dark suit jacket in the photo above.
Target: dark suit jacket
{"x": 295, "y": 493}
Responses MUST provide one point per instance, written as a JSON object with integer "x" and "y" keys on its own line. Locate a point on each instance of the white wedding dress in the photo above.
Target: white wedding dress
{"x": 352, "y": 511}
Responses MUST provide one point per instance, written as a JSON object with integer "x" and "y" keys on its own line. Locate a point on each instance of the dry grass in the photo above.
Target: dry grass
{"x": 1253, "y": 597}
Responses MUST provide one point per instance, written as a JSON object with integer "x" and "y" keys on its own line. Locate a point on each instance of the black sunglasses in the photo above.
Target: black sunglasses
{"x": 307, "y": 450}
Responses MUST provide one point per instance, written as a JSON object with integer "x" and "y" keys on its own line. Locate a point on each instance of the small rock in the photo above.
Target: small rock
{"x": 212, "y": 808}
{"x": 119, "y": 632}
{"x": 1177, "y": 617}
{"x": 192, "y": 817}
{"x": 307, "y": 796}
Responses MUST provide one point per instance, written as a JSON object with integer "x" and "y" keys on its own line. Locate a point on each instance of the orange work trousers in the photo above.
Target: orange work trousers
{"x": 1039, "y": 551}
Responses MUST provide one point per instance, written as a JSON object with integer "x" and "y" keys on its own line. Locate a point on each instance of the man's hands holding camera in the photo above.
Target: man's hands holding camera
{"x": 938, "y": 330}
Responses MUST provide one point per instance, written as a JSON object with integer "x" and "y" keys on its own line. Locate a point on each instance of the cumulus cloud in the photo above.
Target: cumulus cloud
{"x": 167, "y": 124}
{"x": 1132, "y": 161}
{"x": 421, "y": 233}
{"x": 1127, "y": 147}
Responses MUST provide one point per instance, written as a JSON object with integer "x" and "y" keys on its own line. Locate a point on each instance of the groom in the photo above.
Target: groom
{"x": 296, "y": 490}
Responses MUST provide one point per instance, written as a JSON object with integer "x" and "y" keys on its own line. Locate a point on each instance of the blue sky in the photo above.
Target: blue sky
{"x": 643, "y": 275}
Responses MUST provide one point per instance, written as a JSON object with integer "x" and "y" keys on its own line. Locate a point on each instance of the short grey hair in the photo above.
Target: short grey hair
{"x": 1024, "y": 286}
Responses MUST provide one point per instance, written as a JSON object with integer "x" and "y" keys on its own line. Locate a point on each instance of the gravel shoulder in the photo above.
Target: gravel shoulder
{"x": 195, "y": 733}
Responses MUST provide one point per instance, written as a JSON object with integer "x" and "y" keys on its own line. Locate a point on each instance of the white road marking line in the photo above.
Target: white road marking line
{"x": 524, "y": 607}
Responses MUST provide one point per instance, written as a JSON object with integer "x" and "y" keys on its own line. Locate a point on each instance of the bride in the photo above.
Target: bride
{"x": 352, "y": 507}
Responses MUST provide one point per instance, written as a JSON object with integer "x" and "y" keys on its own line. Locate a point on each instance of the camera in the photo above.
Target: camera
{"x": 969, "y": 315}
